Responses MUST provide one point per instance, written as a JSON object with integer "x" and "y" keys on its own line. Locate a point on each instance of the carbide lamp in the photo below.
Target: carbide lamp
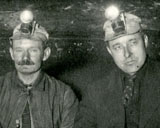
{"x": 117, "y": 19}
{"x": 26, "y": 18}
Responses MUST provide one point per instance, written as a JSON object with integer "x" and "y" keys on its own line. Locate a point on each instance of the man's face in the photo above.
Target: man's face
{"x": 129, "y": 52}
{"x": 28, "y": 55}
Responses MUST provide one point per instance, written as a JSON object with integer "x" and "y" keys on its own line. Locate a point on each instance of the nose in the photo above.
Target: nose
{"x": 127, "y": 52}
{"x": 26, "y": 55}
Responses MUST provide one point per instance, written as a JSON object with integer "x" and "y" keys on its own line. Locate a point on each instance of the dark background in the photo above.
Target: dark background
{"x": 79, "y": 56}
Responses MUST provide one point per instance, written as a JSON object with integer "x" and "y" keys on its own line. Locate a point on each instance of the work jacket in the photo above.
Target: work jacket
{"x": 52, "y": 103}
{"x": 102, "y": 106}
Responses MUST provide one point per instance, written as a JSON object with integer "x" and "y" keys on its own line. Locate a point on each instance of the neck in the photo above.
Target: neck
{"x": 28, "y": 78}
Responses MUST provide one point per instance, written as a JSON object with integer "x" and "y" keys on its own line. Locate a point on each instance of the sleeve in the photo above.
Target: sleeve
{"x": 86, "y": 115}
{"x": 70, "y": 107}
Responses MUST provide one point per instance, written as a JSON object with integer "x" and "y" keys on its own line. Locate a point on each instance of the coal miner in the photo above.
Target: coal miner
{"x": 129, "y": 95}
{"x": 29, "y": 98}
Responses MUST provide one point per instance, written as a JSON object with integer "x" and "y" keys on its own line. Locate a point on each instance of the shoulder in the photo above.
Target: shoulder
{"x": 153, "y": 67}
{"x": 60, "y": 87}
{"x": 63, "y": 95}
{"x": 6, "y": 80}
{"x": 152, "y": 73}
{"x": 7, "y": 77}
{"x": 57, "y": 83}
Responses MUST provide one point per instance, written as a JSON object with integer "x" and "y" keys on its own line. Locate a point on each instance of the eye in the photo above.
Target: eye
{"x": 133, "y": 43}
{"x": 117, "y": 47}
{"x": 18, "y": 50}
{"x": 34, "y": 50}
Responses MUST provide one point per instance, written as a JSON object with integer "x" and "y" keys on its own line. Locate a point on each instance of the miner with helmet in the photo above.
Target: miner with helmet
{"x": 29, "y": 98}
{"x": 128, "y": 96}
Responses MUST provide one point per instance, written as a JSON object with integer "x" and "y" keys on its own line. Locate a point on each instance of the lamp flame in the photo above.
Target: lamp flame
{"x": 26, "y": 16}
{"x": 112, "y": 13}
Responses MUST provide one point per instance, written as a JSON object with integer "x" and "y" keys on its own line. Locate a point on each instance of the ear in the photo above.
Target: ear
{"x": 146, "y": 40}
{"x": 47, "y": 53}
{"x": 11, "y": 53}
{"x": 108, "y": 49}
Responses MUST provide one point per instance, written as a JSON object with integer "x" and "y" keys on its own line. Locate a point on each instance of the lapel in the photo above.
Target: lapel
{"x": 150, "y": 94}
{"x": 113, "y": 111}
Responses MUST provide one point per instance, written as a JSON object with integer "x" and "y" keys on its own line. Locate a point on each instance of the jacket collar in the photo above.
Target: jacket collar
{"x": 39, "y": 83}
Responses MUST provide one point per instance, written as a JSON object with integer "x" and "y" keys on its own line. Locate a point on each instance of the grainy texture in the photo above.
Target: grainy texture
{"x": 76, "y": 36}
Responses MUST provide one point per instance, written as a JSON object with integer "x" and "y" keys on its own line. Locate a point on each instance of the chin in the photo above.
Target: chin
{"x": 27, "y": 71}
{"x": 132, "y": 71}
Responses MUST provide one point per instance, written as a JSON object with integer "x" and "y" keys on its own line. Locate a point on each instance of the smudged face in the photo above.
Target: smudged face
{"x": 129, "y": 52}
{"x": 28, "y": 55}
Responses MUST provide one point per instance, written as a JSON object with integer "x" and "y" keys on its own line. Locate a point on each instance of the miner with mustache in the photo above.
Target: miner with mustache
{"x": 29, "y": 98}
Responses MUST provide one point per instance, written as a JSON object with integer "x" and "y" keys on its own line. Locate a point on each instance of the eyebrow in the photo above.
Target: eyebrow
{"x": 116, "y": 44}
{"x": 132, "y": 39}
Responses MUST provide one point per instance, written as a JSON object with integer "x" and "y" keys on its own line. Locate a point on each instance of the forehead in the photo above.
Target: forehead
{"x": 26, "y": 43}
{"x": 126, "y": 39}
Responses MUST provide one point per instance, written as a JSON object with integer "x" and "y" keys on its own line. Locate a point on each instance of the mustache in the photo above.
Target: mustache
{"x": 26, "y": 62}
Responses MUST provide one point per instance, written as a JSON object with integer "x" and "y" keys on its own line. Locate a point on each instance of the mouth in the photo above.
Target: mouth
{"x": 132, "y": 62}
{"x": 25, "y": 66}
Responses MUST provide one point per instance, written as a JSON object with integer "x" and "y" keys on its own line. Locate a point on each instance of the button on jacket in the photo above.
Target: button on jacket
{"x": 52, "y": 103}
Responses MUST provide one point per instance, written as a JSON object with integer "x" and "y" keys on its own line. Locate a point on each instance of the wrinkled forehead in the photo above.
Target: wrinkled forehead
{"x": 126, "y": 39}
{"x": 26, "y": 42}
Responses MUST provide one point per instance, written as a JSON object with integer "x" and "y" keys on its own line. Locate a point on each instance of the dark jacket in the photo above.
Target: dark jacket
{"x": 102, "y": 105}
{"x": 52, "y": 103}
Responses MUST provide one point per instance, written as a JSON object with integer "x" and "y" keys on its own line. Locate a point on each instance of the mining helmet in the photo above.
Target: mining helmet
{"x": 120, "y": 23}
{"x": 29, "y": 28}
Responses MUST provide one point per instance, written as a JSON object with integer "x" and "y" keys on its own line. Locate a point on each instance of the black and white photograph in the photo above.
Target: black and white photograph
{"x": 79, "y": 64}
